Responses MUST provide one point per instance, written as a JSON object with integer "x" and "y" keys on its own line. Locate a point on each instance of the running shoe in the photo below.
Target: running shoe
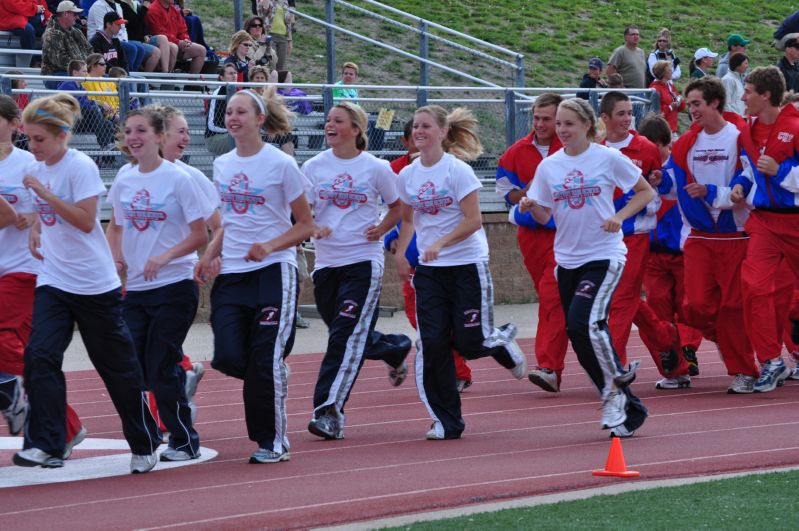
{"x": 462, "y": 385}
{"x": 693, "y": 363}
{"x": 397, "y": 375}
{"x": 140, "y": 464}
{"x": 627, "y": 377}
{"x": 437, "y": 433}
{"x": 326, "y": 426}
{"x": 76, "y": 440}
{"x": 193, "y": 378}
{"x": 621, "y": 432}
{"x": 519, "y": 369}
{"x": 613, "y": 409}
{"x": 741, "y": 385}
{"x": 772, "y": 375}
{"x": 171, "y": 454}
{"x": 263, "y": 456}
{"x": 17, "y": 413}
{"x": 301, "y": 322}
{"x": 678, "y": 382}
{"x": 546, "y": 379}
{"x": 36, "y": 457}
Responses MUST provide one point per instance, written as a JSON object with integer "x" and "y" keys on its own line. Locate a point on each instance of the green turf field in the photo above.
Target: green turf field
{"x": 760, "y": 501}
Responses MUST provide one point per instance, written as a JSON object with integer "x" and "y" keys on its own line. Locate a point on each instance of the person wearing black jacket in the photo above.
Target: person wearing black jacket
{"x": 106, "y": 43}
{"x": 592, "y": 79}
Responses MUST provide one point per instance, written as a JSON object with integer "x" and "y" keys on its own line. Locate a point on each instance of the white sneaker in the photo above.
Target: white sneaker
{"x": 171, "y": 454}
{"x": 433, "y": 434}
{"x": 742, "y": 384}
{"x": 678, "y": 382}
{"x": 36, "y": 457}
{"x": 519, "y": 370}
{"x": 546, "y": 379}
{"x": 76, "y": 440}
{"x": 621, "y": 432}
{"x": 613, "y": 413}
{"x": 140, "y": 464}
{"x": 193, "y": 378}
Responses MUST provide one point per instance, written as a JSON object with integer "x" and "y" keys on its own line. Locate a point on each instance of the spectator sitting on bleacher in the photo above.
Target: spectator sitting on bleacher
{"x": 349, "y": 76}
{"x": 27, "y": 19}
{"x": 92, "y": 119}
{"x": 262, "y": 53}
{"x": 165, "y": 18}
{"x": 22, "y": 101}
{"x": 106, "y": 43}
{"x": 135, "y": 13}
{"x": 87, "y": 5}
{"x": 141, "y": 55}
{"x": 96, "y": 67}
{"x": 193, "y": 24}
{"x": 289, "y": 92}
{"x": 116, "y": 72}
{"x": 240, "y": 46}
{"x": 217, "y": 139}
{"x": 62, "y": 42}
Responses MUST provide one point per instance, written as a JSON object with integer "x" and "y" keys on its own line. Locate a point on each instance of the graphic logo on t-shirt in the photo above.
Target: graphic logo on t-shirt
{"x": 576, "y": 190}
{"x": 783, "y": 136}
{"x": 141, "y": 213}
{"x": 711, "y": 157}
{"x": 45, "y": 211}
{"x": 269, "y": 316}
{"x": 471, "y": 318}
{"x": 9, "y": 195}
{"x": 239, "y": 196}
{"x": 430, "y": 201}
{"x": 349, "y": 309}
{"x": 342, "y": 194}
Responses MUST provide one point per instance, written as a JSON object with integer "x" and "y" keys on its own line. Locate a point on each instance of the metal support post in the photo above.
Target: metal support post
{"x": 330, "y": 33}
{"x": 510, "y": 117}
{"x": 424, "y": 52}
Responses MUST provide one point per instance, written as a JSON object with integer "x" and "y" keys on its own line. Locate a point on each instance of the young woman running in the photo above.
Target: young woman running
{"x": 253, "y": 301}
{"x": 77, "y": 282}
{"x": 454, "y": 291}
{"x": 575, "y": 186}
{"x": 347, "y": 185}
{"x": 155, "y": 230}
{"x": 18, "y": 269}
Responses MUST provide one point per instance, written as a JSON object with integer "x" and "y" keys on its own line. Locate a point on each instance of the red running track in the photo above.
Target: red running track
{"x": 519, "y": 441}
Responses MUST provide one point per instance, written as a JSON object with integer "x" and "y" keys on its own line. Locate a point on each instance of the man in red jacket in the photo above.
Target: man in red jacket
{"x": 515, "y": 173}
{"x": 26, "y": 19}
{"x": 165, "y": 18}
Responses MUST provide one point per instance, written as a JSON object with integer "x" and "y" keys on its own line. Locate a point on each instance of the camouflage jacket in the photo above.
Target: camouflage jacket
{"x": 60, "y": 46}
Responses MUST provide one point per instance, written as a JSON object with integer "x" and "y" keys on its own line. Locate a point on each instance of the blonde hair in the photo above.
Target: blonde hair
{"x": 278, "y": 116}
{"x": 239, "y": 38}
{"x": 790, "y": 97}
{"x": 258, "y": 69}
{"x": 350, "y": 64}
{"x": 359, "y": 120}
{"x": 584, "y": 113}
{"x": 57, "y": 113}
{"x": 461, "y": 140}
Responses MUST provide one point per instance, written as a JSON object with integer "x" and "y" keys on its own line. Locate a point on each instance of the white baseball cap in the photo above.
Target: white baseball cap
{"x": 701, "y": 53}
{"x": 66, "y": 5}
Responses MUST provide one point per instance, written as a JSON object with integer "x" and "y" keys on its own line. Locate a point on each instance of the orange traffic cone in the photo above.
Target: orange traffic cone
{"x": 615, "y": 465}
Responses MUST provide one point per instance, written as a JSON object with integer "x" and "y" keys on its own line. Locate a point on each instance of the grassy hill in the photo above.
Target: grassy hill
{"x": 557, "y": 37}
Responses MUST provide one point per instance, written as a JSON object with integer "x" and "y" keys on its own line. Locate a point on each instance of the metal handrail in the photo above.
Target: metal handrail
{"x": 396, "y": 50}
{"x": 442, "y": 40}
{"x": 442, "y": 28}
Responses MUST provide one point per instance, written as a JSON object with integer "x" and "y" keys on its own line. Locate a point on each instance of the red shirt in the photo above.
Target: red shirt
{"x": 398, "y": 164}
{"x": 167, "y": 21}
{"x": 14, "y": 14}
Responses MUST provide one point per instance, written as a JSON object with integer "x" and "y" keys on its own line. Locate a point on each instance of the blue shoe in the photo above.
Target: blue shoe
{"x": 772, "y": 375}
{"x": 265, "y": 456}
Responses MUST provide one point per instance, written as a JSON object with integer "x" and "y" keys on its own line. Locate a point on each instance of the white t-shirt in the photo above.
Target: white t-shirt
{"x": 435, "y": 194}
{"x": 74, "y": 261}
{"x": 621, "y": 144}
{"x": 14, "y": 254}
{"x": 579, "y": 191}
{"x": 713, "y": 158}
{"x": 256, "y": 193}
{"x": 154, "y": 210}
{"x": 204, "y": 183}
{"x": 345, "y": 195}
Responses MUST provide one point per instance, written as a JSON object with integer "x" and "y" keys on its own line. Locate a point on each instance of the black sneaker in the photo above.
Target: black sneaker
{"x": 690, "y": 356}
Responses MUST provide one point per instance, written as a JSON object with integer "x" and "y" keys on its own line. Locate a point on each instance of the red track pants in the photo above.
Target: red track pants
{"x": 768, "y": 274}
{"x": 16, "y": 317}
{"x": 627, "y": 297}
{"x": 713, "y": 297}
{"x": 551, "y": 339}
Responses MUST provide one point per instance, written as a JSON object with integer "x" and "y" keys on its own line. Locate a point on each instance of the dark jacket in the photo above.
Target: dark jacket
{"x": 111, "y": 49}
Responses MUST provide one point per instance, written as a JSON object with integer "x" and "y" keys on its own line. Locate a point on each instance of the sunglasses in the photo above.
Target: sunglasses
{"x": 256, "y": 25}
{"x": 246, "y": 44}
{"x": 662, "y": 40}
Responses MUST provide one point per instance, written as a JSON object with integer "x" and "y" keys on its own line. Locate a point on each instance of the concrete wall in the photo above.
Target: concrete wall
{"x": 512, "y": 283}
